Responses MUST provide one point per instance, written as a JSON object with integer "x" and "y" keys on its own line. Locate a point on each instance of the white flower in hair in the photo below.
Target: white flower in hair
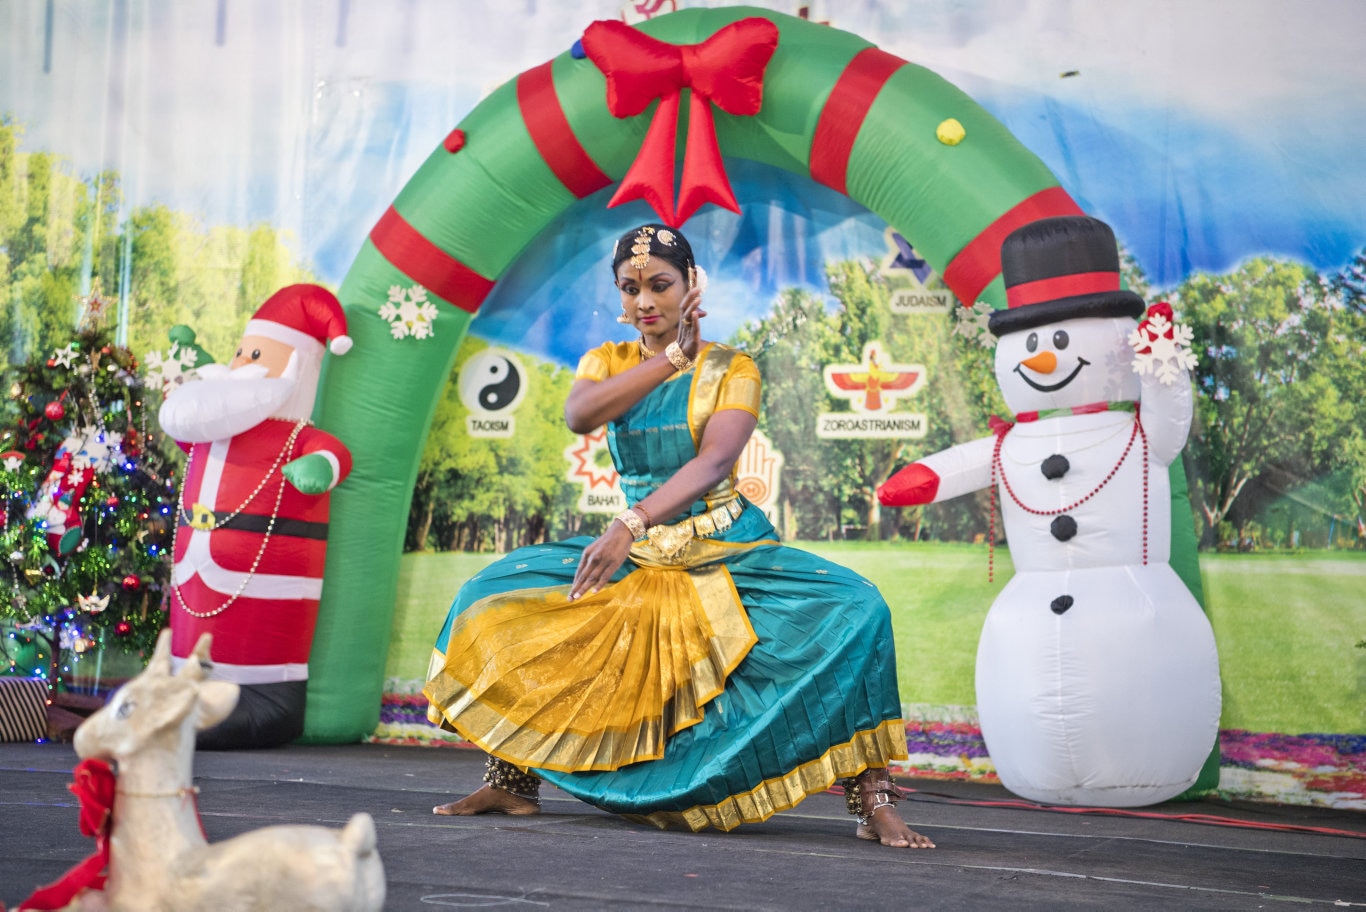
{"x": 700, "y": 278}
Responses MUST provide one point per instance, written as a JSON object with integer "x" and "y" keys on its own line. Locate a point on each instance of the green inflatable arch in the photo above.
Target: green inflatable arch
{"x": 835, "y": 108}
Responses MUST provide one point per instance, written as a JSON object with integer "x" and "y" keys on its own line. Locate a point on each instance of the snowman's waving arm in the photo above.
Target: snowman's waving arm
{"x": 1163, "y": 362}
{"x": 1166, "y": 410}
{"x": 940, "y": 476}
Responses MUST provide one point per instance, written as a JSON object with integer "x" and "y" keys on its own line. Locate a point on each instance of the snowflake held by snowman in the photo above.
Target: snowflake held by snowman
{"x": 408, "y": 312}
{"x": 1162, "y": 346}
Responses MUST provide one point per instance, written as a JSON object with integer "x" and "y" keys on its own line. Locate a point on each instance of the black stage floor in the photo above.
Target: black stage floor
{"x": 576, "y": 857}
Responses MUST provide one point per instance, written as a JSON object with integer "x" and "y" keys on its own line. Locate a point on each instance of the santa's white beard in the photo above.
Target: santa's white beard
{"x": 222, "y": 403}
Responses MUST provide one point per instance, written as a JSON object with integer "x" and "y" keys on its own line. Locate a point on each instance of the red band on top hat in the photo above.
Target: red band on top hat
{"x": 1064, "y": 286}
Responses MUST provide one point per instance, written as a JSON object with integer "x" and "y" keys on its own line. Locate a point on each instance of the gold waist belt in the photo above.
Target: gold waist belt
{"x": 670, "y": 540}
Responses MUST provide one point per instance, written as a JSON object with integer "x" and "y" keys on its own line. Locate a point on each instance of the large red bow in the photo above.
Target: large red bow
{"x": 726, "y": 70}
{"x": 93, "y": 783}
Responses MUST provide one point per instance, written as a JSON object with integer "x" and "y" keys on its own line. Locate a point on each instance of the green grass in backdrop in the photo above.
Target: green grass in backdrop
{"x": 1286, "y": 625}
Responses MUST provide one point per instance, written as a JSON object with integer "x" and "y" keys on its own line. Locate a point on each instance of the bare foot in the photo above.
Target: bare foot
{"x": 488, "y": 800}
{"x": 888, "y": 828}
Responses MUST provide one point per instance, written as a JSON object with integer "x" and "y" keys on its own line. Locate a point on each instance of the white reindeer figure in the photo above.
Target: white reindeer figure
{"x": 159, "y": 859}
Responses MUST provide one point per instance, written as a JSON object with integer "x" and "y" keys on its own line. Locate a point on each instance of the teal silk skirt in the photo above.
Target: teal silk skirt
{"x": 812, "y": 700}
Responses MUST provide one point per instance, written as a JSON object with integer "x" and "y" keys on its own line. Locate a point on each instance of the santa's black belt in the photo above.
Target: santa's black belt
{"x": 252, "y": 522}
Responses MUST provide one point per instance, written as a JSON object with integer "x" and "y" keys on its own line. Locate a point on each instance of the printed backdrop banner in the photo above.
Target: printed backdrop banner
{"x": 188, "y": 158}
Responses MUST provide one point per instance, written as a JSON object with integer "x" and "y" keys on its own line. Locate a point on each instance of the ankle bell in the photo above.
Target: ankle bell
{"x": 512, "y": 779}
{"x": 870, "y": 790}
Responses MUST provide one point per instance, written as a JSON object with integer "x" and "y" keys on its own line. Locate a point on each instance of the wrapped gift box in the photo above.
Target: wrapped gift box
{"x": 23, "y": 709}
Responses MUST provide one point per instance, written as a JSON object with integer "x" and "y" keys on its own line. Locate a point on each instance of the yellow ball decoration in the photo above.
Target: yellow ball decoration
{"x": 950, "y": 132}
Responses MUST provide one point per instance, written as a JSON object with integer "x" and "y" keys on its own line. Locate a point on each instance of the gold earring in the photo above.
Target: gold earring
{"x": 622, "y": 318}
{"x": 692, "y": 278}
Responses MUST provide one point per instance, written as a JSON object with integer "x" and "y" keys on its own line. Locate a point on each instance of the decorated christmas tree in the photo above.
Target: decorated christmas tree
{"x": 90, "y": 501}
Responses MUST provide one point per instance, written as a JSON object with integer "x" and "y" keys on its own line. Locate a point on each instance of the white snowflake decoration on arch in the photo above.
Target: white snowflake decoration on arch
{"x": 408, "y": 312}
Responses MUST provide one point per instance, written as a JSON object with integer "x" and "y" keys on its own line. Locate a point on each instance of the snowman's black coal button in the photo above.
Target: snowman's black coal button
{"x": 1063, "y": 527}
{"x": 1055, "y": 467}
{"x": 1061, "y": 604}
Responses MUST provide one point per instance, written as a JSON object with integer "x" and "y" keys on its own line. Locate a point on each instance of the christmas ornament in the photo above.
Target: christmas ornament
{"x": 64, "y": 357}
{"x": 131, "y": 582}
{"x": 54, "y": 410}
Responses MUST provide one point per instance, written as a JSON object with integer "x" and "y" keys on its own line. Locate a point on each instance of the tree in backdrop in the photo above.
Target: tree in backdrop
{"x": 1280, "y": 385}
{"x": 1349, "y": 285}
{"x": 55, "y": 229}
{"x": 489, "y": 493}
{"x": 89, "y": 498}
{"x": 62, "y": 235}
{"x": 828, "y": 486}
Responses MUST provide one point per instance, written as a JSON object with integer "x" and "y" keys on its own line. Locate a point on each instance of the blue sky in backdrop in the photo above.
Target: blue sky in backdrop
{"x": 1204, "y": 132}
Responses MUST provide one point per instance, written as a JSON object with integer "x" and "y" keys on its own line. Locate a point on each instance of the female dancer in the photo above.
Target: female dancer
{"x": 684, "y": 667}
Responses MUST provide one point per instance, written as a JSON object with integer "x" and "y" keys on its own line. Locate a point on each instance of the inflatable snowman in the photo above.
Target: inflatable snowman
{"x": 1097, "y": 673}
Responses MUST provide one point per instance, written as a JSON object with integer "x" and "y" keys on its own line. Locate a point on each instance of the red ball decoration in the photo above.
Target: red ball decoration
{"x": 54, "y": 410}
{"x": 51, "y": 362}
{"x": 123, "y": 628}
{"x": 131, "y": 582}
{"x": 112, "y": 501}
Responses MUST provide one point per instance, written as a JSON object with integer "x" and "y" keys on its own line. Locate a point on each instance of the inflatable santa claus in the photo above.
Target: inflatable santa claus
{"x": 252, "y": 532}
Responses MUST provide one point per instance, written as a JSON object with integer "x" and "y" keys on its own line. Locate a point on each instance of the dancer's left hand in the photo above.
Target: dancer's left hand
{"x": 601, "y": 559}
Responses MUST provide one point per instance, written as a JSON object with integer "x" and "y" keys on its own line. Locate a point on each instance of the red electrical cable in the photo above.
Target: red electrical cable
{"x": 1204, "y": 819}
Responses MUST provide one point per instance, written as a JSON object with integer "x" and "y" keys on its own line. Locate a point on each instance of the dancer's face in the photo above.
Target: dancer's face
{"x": 652, "y": 298}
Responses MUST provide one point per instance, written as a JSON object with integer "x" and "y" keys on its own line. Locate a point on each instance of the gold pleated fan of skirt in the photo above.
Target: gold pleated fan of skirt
{"x": 595, "y": 683}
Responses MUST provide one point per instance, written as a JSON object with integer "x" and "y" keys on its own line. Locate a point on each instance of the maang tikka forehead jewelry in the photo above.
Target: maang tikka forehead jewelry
{"x": 640, "y": 247}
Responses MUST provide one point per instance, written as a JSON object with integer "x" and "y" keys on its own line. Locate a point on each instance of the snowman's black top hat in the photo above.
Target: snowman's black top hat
{"x": 1061, "y": 269}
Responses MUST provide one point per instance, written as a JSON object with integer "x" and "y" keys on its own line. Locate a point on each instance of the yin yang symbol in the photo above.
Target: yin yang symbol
{"x": 492, "y": 381}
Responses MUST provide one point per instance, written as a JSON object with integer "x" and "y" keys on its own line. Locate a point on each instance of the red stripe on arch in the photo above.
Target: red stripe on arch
{"x": 979, "y": 262}
{"x": 844, "y": 113}
{"x": 427, "y": 264}
{"x": 552, "y": 135}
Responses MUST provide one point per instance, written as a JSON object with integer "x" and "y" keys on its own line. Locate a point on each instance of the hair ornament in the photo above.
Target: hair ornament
{"x": 640, "y": 248}
{"x": 697, "y": 278}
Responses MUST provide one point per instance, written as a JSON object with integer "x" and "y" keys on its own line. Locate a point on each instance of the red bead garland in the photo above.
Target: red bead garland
{"x": 998, "y": 469}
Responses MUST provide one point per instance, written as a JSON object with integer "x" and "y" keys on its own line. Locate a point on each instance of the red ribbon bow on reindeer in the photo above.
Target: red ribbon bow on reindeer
{"x": 726, "y": 70}
{"x": 93, "y": 782}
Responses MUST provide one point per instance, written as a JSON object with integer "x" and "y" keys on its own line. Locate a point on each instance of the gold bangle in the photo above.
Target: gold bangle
{"x": 631, "y": 520}
{"x": 681, "y": 362}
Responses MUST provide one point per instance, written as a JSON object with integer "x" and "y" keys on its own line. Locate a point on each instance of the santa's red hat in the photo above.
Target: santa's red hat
{"x": 302, "y": 317}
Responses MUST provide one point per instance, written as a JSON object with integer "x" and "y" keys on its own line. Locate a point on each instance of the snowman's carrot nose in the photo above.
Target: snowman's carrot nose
{"x": 1043, "y": 362}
